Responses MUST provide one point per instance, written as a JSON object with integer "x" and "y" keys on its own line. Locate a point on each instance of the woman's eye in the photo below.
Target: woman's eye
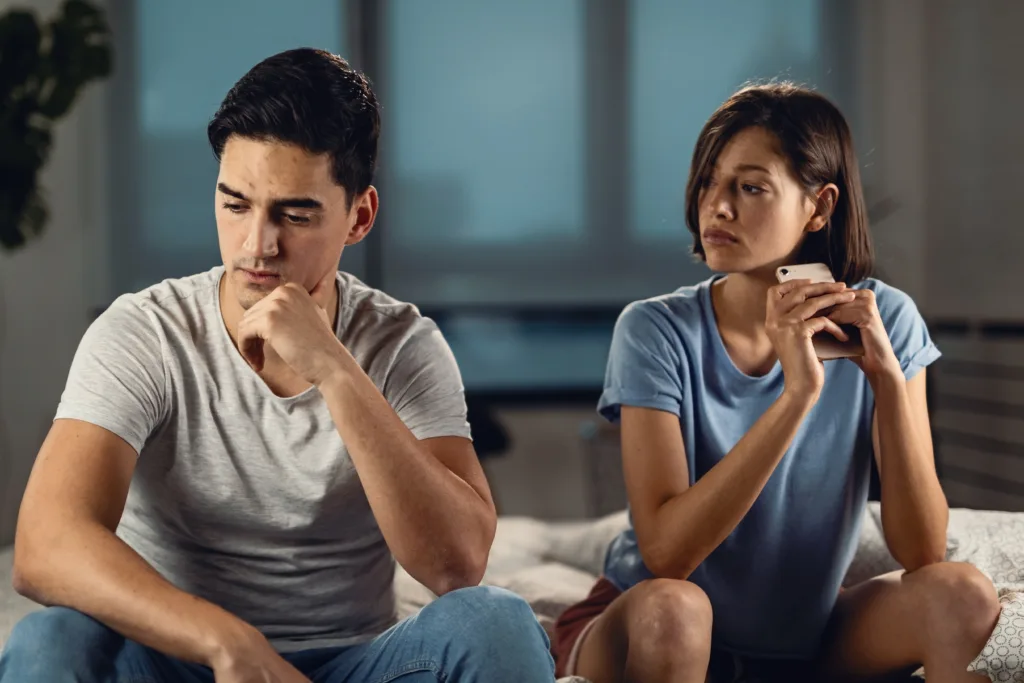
{"x": 752, "y": 189}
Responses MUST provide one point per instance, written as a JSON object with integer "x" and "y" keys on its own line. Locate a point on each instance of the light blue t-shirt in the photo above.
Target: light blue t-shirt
{"x": 774, "y": 580}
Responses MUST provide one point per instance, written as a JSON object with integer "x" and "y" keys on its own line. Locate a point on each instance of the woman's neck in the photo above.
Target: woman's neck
{"x": 740, "y": 303}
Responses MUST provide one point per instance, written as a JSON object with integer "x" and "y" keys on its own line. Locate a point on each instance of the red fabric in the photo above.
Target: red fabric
{"x": 575, "y": 619}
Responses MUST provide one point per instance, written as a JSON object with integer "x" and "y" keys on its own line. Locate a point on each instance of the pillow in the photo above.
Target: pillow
{"x": 1002, "y": 659}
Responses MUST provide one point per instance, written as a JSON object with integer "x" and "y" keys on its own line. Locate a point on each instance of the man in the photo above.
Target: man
{"x": 240, "y": 456}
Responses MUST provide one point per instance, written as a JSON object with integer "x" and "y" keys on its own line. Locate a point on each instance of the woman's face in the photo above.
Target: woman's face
{"x": 754, "y": 214}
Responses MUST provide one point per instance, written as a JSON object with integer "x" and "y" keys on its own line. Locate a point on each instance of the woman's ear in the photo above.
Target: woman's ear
{"x": 825, "y": 203}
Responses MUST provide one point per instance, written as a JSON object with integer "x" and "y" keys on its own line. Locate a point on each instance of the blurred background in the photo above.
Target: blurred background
{"x": 532, "y": 166}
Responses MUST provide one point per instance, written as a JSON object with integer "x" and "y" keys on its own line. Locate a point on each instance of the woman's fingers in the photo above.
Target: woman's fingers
{"x": 813, "y": 306}
{"x": 789, "y": 295}
{"x": 822, "y": 324}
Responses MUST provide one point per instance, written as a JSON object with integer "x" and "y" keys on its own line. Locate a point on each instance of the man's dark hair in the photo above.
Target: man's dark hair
{"x": 815, "y": 139}
{"x": 312, "y": 99}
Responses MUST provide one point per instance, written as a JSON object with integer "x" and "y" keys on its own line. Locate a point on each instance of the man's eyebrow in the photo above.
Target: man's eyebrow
{"x": 285, "y": 203}
{"x": 233, "y": 193}
{"x": 297, "y": 203}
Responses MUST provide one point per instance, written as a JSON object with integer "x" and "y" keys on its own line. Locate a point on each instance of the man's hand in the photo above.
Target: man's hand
{"x": 252, "y": 660}
{"x": 296, "y": 328}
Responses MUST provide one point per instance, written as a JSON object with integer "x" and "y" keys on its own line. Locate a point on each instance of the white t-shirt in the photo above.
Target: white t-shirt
{"x": 244, "y": 498}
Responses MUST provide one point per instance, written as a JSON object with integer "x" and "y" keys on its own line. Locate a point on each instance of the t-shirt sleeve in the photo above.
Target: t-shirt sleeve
{"x": 117, "y": 377}
{"x": 425, "y": 386}
{"x": 645, "y": 364}
{"x": 908, "y": 332}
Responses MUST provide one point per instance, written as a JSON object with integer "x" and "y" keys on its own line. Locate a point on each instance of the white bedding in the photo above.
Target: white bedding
{"x": 553, "y": 565}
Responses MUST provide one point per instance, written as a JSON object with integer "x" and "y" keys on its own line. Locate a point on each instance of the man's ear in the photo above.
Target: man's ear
{"x": 365, "y": 209}
{"x": 825, "y": 203}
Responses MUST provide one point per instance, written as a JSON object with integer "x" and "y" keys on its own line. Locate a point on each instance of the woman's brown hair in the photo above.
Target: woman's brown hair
{"x": 815, "y": 139}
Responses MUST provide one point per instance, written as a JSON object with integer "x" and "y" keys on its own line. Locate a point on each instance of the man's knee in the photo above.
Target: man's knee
{"x": 55, "y": 640}
{"x": 959, "y": 595}
{"x": 486, "y": 618}
{"x": 666, "y": 613}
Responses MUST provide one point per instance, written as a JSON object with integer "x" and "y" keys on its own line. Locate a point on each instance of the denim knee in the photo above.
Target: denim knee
{"x": 58, "y": 644}
{"x": 492, "y": 626}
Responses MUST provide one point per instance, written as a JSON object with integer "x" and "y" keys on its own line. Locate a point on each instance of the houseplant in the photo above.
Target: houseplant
{"x": 43, "y": 68}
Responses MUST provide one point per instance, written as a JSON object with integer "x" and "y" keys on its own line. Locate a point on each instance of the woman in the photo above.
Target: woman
{"x": 747, "y": 460}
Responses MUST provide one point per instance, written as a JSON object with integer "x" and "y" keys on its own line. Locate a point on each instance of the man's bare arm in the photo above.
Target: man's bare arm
{"x": 430, "y": 497}
{"x": 66, "y": 553}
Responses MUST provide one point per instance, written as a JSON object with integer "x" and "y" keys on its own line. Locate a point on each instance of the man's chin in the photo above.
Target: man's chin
{"x": 249, "y": 294}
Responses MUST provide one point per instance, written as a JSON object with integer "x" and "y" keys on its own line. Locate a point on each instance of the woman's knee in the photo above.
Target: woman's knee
{"x": 670, "y": 613}
{"x": 957, "y": 593}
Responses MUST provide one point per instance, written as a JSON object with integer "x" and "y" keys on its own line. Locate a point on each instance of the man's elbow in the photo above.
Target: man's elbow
{"x": 464, "y": 572}
{"x": 24, "y": 577}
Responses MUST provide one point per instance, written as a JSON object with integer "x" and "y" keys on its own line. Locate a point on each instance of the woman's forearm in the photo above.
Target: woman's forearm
{"x": 914, "y": 509}
{"x": 722, "y": 497}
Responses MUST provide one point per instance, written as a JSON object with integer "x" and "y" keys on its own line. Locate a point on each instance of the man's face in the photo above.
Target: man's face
{"x": 280, "y": 217}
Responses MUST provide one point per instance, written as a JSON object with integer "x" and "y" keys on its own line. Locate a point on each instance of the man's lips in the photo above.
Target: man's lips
{"x": 260, "y": 275}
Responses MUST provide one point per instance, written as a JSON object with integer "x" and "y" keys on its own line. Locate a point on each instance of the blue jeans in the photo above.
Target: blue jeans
{"x": 473, "y": 635}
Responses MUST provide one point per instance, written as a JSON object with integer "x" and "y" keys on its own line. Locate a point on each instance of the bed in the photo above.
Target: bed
{"x": 553, "y": 565}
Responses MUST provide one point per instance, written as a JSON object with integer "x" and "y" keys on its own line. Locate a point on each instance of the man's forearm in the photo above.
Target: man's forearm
{"x": 438, "y": 527}
{"x": 914, "y": 509}
{"x": 88, "y": 568}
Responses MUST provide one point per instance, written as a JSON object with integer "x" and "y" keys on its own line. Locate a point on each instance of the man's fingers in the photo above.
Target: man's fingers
{"x": 252, "y": 351}
{"x": 251, "y": 341}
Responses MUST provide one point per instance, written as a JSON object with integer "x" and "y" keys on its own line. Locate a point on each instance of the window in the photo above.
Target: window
{"x": 186, "y": 56}
{"x": 484, "y": 147}
{"x": 533, "y": 154}
{"x": 686, "y": 57}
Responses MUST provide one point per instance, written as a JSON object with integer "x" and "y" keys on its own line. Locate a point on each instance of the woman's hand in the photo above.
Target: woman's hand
{"x": 793, "y": 317}
{"x": 878, "y": 360}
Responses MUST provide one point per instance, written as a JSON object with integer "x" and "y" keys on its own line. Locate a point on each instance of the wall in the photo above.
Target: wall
{"x": 936, "y": 104}
{"x": 48, "y": 288}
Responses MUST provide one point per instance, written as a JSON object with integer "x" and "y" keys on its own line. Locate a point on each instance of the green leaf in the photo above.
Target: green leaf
{"x": 42, "y": 71}
{"x": 20, "y": 37}
{"x": 80, "y": 51}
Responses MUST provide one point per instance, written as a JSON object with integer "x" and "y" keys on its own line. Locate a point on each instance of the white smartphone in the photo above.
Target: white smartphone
{"x": 826, "y": 346}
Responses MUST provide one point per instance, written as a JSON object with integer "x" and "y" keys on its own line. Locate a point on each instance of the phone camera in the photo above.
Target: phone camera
{"x": 785, "y": 271}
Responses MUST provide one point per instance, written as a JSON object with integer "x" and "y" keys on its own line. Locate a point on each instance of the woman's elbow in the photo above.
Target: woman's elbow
{"x": 664, "y": 562}
{"x": 911, "y": 562}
